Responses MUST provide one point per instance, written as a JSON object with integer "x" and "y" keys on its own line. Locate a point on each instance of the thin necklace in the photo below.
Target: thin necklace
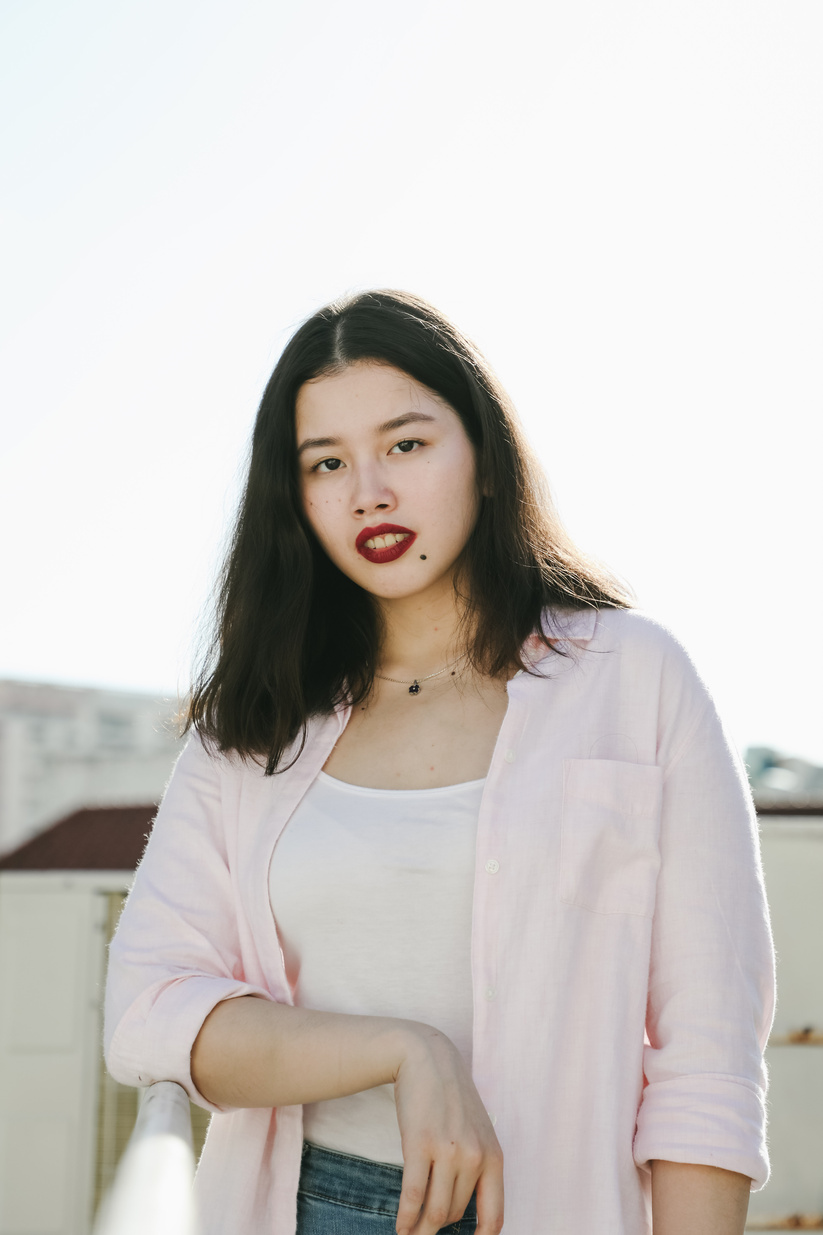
{"x": 414, "y": 687}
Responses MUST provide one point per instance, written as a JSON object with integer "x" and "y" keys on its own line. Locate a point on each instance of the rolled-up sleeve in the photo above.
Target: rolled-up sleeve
{"x": 712, "y": 980}
{"x": 176, "y": 952}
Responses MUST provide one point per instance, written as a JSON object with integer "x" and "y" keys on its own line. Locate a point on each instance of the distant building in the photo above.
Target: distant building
{"x": 63, "y": 747}
{"x": 64, "y": 1122}
{"x": 781, "y": 780}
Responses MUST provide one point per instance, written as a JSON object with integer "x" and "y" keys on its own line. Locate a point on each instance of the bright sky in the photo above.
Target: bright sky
{"x": 621, "y": 201}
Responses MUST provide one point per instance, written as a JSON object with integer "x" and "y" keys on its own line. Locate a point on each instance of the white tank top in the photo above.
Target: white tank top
{"x": 372, "y": 895}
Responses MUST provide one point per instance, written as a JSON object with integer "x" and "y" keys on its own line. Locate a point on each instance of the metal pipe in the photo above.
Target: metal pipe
{"x": 152, "y": 1188}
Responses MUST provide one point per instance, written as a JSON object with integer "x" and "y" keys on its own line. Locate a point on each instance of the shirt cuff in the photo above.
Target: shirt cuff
{"x": 154, "y": 1039}
{"x": 713, "y": 1120}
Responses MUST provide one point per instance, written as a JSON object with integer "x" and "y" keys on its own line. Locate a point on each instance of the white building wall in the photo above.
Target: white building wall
{"x": 52, "y": 969}
{"x": 793, "y": 867}
{"x": 62, "y": 748}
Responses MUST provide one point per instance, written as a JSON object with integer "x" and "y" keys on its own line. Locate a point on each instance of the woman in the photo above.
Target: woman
{"x": 455, "y": 826}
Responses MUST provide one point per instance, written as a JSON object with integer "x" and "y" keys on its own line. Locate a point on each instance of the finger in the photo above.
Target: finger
{"x": 438, "y": 1203}
{"x": 463, "y": 1188}
{"x": 489, "y": 1191}
{"x": 412, "y": 1192}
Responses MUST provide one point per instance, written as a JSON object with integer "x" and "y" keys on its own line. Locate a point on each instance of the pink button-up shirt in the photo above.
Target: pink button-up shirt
{"x": 622, "y": 961}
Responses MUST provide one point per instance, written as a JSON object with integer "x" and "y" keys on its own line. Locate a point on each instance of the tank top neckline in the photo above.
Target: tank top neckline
{"x": 347, "y": 787}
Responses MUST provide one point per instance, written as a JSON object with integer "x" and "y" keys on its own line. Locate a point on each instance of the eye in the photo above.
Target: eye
{"x": 405, "y": 447}
{"x": 330, "y": 465}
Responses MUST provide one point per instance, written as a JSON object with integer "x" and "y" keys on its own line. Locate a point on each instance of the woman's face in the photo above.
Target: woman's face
{"x": 388, "y": 479}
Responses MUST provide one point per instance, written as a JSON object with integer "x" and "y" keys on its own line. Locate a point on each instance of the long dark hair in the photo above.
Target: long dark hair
{"x": 292, "y": 636}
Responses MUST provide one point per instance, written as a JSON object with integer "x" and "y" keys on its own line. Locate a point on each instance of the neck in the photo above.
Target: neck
{"x": 420, "y": 636}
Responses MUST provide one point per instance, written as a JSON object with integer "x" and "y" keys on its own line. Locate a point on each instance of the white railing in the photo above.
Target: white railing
{"x": 152, "y": 1188}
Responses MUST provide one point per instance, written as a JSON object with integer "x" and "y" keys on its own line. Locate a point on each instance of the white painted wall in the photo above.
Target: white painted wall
{"x": 793, "y": 866}
{"x": 52, "y": 968}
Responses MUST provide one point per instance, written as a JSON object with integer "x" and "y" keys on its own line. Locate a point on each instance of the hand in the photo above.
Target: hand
{"x": 445, "y": 1133}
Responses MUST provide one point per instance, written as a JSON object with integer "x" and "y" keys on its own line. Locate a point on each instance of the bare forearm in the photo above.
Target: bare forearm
{"x": 251, "y": 1052}
{"x": 688, "y": 1199}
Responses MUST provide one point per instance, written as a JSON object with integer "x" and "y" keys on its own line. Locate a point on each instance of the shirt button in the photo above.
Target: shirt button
{"x": 493, "y": 1118}
{"x": 490, "y": 992}
{"x": 509, "y": 756}
{"x": 492, "y": 866}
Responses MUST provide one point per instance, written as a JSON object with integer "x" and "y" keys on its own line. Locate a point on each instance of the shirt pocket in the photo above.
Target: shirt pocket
{"x": 609, "y": 853}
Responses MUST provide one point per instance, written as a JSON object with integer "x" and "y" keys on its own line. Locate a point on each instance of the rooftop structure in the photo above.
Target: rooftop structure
{"x": 102, "y": 838}
{"x": 780, "y": 782}
{"x": 65, "y": 747}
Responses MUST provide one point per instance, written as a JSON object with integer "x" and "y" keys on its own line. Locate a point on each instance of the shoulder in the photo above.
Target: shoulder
{"x": 650, "y": 650}
{"x": 636, "y": 632}
{"x": 202, "y": 751}
{"x": 630, "y": 671}
{"x": 231, "y": 767}
{"x": 202, "y": 763}
{"x": 627, "y": 630}
{"x": 655, "y": 659}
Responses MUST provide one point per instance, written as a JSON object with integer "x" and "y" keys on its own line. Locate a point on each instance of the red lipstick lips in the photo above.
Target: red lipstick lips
{"x": 391, "y": 552}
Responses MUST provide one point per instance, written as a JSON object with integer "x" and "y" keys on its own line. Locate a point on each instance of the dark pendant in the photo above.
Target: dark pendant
{"x": 414, "y": 689}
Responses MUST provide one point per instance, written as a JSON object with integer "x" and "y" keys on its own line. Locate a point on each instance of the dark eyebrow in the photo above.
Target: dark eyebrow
{"x": 388, "y": 426}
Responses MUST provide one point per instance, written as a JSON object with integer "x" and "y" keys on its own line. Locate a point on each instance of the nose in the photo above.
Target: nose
{"x": 371, "y": 492}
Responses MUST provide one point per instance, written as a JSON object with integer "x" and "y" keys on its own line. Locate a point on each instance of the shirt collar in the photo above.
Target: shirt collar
{"x": 561, "y": 626}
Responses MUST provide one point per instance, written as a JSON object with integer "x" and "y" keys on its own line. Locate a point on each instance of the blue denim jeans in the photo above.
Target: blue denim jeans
{"x": 339, "y": 1194}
